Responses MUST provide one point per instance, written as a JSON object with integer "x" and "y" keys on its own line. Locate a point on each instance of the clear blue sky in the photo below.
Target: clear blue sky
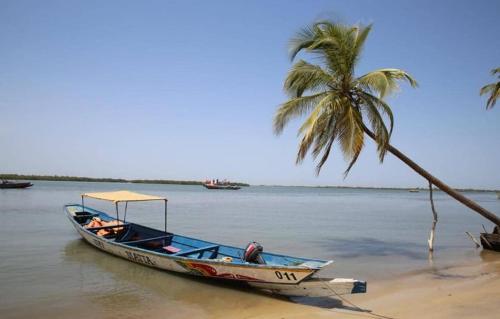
{"x": 188, "y": 89}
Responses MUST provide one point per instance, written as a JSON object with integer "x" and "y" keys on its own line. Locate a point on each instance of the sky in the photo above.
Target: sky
{"x": 187, "y": 90}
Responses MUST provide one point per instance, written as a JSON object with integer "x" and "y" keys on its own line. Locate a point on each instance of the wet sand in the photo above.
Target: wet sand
{"x": 466, "y": 291}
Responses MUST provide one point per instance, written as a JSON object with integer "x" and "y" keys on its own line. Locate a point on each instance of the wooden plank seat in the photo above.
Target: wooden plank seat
{"x": 199, "y": 250}
{"x": 145, "y": 240}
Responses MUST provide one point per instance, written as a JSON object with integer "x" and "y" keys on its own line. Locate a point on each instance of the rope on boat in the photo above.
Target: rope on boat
{"x": 369, "y": 313}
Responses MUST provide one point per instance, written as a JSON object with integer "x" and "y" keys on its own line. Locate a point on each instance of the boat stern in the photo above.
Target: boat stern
{"x": 316, "y": 287}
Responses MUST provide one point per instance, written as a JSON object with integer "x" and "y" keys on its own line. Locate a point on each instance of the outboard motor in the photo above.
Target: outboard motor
{"x": 252, "y": 253}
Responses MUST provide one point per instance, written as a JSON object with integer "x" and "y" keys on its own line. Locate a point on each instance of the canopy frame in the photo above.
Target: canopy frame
{"x": 126, "y": 197}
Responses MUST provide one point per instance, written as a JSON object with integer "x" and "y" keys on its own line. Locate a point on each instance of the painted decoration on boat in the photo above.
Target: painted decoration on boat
{"x": 209, "y": 271}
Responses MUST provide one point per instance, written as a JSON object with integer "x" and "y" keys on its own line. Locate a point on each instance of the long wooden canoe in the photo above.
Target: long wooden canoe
{"x": 164, "y": 250}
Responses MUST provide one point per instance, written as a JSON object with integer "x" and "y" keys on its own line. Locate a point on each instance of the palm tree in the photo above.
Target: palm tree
{"x": 493, "y": 89}
{"x": 343, "y": 107}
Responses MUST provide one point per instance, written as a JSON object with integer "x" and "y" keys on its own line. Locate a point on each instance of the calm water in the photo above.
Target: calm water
{"x": 47, "y": 271}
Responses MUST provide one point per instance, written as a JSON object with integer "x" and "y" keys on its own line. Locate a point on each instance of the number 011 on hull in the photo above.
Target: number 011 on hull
{"x": 285, "y": 275}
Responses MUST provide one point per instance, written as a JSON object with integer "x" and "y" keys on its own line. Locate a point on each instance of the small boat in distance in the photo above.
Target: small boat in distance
{"x": 286, "y": 275}
{"x": 216, "y": 184}
{"x": 9, "y": 184}
{"x": 413, "y": 190}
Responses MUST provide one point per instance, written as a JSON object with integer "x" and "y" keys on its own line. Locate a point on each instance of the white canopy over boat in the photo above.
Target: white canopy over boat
{"x": 122, "y": 196}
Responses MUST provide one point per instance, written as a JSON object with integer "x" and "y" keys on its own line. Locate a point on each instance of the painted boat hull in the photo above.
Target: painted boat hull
{"x": 276, "y": 279}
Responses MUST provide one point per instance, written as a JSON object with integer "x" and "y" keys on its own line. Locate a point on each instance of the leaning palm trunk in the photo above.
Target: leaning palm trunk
{"x": 442, "y": 186}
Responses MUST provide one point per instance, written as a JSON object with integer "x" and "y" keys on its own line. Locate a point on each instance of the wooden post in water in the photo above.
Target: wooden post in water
{"x": 434, "y": 222}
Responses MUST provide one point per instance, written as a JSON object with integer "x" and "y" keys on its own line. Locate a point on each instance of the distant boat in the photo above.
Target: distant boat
{"x": 9, "y": 184}
{"x": 216, "y": 184}
{"x": 413, "y": 190}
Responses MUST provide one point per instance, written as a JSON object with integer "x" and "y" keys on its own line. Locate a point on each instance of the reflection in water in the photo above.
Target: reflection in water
{"x": 114, "y": 284}
{"x": 119, "y": 285}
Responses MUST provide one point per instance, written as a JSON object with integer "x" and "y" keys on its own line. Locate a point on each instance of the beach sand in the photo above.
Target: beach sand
{"x": 466, "y": 291}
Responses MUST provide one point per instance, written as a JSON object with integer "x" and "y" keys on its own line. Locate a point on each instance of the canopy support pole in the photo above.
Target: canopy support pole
{"x": 116, "y": 205}
{"x": 83, "y": 205}
{"x": 125, "y": 216}
{"x": 165, "y": 215}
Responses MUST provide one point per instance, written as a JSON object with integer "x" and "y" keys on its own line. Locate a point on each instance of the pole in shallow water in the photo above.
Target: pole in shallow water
{"x": 434, "y": 221}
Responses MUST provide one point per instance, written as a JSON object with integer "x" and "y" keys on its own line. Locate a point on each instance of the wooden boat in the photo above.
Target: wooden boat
{"x": 9, "y": 184}
{"x": 491, "y": 241}
{"x": 286, "y": 275}
{"x": 221, "y": 186}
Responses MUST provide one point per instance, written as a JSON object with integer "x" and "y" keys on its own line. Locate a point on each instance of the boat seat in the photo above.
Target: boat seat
{"x": 199, "y": 250}
{"x": 145, "y": 240}
{"x": 171, "y": 249}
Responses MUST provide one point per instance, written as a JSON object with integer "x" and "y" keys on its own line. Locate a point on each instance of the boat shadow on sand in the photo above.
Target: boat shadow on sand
{"x": 199, "y": 292}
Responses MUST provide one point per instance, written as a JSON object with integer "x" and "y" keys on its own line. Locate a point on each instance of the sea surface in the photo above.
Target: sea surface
{"x": 47, "y": 271}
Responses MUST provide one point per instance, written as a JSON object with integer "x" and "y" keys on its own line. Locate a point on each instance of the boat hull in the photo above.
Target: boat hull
{"x": 222, "y": 187}
{"x": 284, "y": 280}
{"x": 490, "y": 241}
{"x": 316, "y": 287}
{"x": 15, "y": 185}
{"x": 193, "y": 266}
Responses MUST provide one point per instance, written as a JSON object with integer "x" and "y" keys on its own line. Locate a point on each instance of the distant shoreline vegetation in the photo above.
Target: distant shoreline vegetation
{"x": 419, "y": 189}
{"x": 104, "y": 180}
{"x": 176, "y": 182}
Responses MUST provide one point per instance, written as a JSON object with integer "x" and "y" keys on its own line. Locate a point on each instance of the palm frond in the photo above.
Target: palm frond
{"x": 319, "y": 126}
{"x": 333, "y": 43}
{"x": 371, "y": 106}
{"x": 310, "y": 129}
{"x": 492, "y": 89}
{"x": 384, "y": 81}
{"x": 293, "y": 108}
{"x": 302, "y": 40}
{"x": 351, "y": 135}
{"x": 360, "y": 38}
{"x": 305, "y": 76}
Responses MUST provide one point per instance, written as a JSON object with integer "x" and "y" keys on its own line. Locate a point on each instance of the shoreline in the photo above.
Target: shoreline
{"x": 468, "y": 290}
{"x": 58, "y": 178}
